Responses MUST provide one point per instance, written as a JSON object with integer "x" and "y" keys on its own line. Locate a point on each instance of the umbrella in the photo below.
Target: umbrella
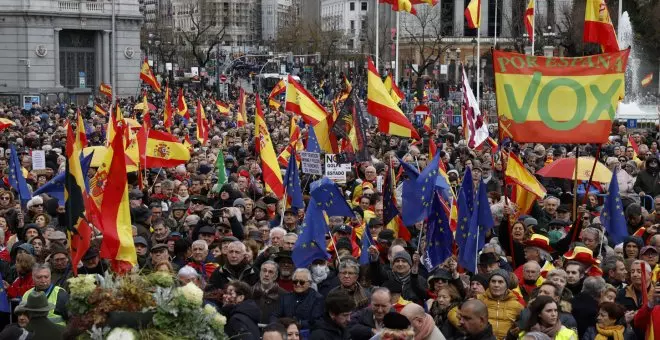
{"x": 565, "y": 168}
{"x": 140, "y": 106}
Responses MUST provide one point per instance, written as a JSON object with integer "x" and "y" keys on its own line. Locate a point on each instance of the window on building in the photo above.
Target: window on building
{"x": 363, "y": 5}
{"x": 352, "y": 26}
{"x": 351, "y": 44}
{"x": 351, "y": 6}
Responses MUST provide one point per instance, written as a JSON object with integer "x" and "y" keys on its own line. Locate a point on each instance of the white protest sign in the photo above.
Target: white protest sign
{"x": 38, "y": 160}
{"x": 334, "y": 170}
{"x": 311, "y": 163}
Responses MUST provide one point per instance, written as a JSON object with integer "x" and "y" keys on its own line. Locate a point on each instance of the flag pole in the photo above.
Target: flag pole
{"x": 396, "y": 55}
{"x": 533, "y": 26}
{"x": 495, "y": 35}
{"x": 477, "y": 60}
{"x": 283, "y": 208}
{"x": 377, "y": 35}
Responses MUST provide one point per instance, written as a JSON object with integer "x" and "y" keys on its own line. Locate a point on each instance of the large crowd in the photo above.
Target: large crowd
{"x": 235, "y": 240}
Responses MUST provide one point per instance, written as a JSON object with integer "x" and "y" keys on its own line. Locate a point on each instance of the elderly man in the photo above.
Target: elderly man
{"x": 474, "y": 321}
{"x": 349, "y": 271}
{"x": 289, "y": 241}
{"x": 290, "y": 221}
{"x": 422, "y": 323}
{"x": 266, "y": 293}
{"x": 236, "y": 268}
{"x": 368, "y": 321}
{"x": 304, "y": 304}
{"x": 404, "y": 270}
{"x": 585, "y": 304}
{"x": 55, "y": 295}
{"x": 60, "y": 264}
{"x": 188, "y": 274}
{"x": 531, "y": 274}
{"x": 198, "y": 260}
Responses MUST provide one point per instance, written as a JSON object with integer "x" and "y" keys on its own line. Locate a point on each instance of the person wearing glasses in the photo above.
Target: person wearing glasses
{"x": 349, "y": 271}
{"x": 304, "y": 304}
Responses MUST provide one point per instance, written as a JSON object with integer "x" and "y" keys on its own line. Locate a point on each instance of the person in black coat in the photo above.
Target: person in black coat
{"x": 334, "y": 325}
{"x": 585, "y": 304}
{"x": 304, "y": 304}
{"x": 242, "y": 312}
{"x": 363, "y": 322}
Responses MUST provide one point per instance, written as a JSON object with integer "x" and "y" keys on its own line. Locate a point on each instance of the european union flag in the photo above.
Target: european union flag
{"x": 311, "y": 242}
{"x": 439, "y": 238}
{"x": 292, "y": 184}
{"x": 480, "y": 222}
{"x": 418, "y": 189}
{"x": 327, "y": 196}
{"x": 4, "y": 301}
{"x": 465, "y": 207}
{"x": 366, "y": 243}
{"x": 612, "y": 216}
{"x": 16, "y": 178}
{"x": 312, "y": 141}
{"x": 55, "y": 187}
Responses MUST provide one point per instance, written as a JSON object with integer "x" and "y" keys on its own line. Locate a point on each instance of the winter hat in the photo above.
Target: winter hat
{"x": 402, "y": 255}
{"x": 500, "y": 272}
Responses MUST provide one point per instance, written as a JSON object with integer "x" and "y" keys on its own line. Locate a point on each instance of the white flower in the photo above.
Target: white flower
{"x": 192, "y": 293}
{"x": 220, "y": 319}
{"x": 82, "y": 286}
{"x": 209, "y": 310}
{"x": 122, "y": 334}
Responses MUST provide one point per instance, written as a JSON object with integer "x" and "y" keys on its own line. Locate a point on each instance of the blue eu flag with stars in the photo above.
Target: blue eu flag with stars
{"x": 480, "y": 222}
{"x": 16, "y": 179}
{"x": 417, "y": 194}
{"x": 312, "y": 141}
{"x": 4, "y": 300}
{"x": 465, "y": 203}
{"x": 292, "y": 184}
{"x": 366, "y": 243}
{"x": 612, "y": 216}
{"x": 328, "y": 197}
{"x": 55, "y": 187}
{"x": 439, "y": 237}
{"x": 310, "y": 245}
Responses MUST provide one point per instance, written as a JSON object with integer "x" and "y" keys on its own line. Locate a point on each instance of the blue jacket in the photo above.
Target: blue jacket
{"x": 305, "y": 308}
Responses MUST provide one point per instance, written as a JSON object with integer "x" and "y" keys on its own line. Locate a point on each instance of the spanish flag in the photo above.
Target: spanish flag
{"x": 161, "y": 150}
{"x": 526, "y": 187}
{"x": 473, "y": 14}
{"x": 394, "y": 90}
{"x": 80, "y": 129}
{"x": 5, "y": 123}
{"x": 187, "y": 143}
{"x": 272, "y": 174}
{"x": 117, "y": 244}
{"x": 428, "y": 125}
{"x": 241, "y": 115}
{"x": 380, "y": 104}
{"x": 222, "y": 107}
{"x": 295, "y": 143}
{"x": 633, "y": 145}
{"x": 167, "y": 113}
{"x": 302, "y": 103}
{"x": 401, "y": 5}
{"x": 75, "y": 192}
{"x": 647, "y": 80}
{"x": 346, "y": 91}
{"x": 202, "y": 124}
{"x": 106, "y": 90}
{"x": 148, "y": 77}
{"x": 181, "y": 106}
{"x": 273, "y": 100}
{"x": 100, "y": 110}
{"x": 598, "y": 26}
{"x": 115, "y": 117}
{"x": 529, "y": 20}
{"x": 428, "y": 2}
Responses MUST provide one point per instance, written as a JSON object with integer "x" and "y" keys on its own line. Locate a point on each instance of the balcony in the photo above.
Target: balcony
{"x": 83, "y": 7}
{"x": 75, "y": 7}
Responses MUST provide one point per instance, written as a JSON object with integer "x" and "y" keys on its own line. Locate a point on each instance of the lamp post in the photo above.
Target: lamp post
{"x": 474, "y": 54}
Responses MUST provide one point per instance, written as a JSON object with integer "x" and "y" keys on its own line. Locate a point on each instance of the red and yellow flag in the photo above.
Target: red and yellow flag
{"x": 295, "y": 143}
{"x": 401, "y": 5}
{"x": 167, "y": 113}
{"x": 148, "y": 77}
{"x": 115, "y": 117}
{"x": 428, "y": 124}
{"x": 273, "y": 100}
{"x": 380, "y": 104}
{"x": 558, "y": 99}
{"x": 269, "y": 166}
{"x": 473, "y": 14}
{"x": 117, "y": 242}
{"x": 75, "y": 197}
{"x": 105, "y": 89}
{"x": 598, "y": 26}
{"x": 529, "y": 19}
{"x": 223, "y": 108}
{"x": 181, "y": 106}
{"x": 394, "y": 90}
{"x": 526, "y": 187}
{"x": 80, "y": 129}
{"x": 302, "y": 103}
{"x": 647, "y": 80}
{"x": 241, "y": 115}
{"x": 161, "y": 150}
{"x": 5, "y": 123}
{"x": 428, "y": 2}
{"x": 202, "y": 124}
{"x": 100, "y": 110}
{"x": 633, "y": 145}
{"x": 346, "y": 91}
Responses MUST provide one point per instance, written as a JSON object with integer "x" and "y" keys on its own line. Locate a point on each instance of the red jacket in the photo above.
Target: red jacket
{"x": 21, "y": 285}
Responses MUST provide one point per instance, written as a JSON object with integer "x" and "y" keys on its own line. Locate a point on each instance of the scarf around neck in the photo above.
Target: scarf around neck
{"x": 426, "y": 329}
{"x": 605, "y": 332}
{"x": 550, "y": 331}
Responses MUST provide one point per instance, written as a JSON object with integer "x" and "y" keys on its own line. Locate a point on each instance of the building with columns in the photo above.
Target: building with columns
{"x": 63, "y": 49}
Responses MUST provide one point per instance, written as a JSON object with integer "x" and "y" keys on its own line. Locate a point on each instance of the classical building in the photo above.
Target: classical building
{"x": 349, "y": 16}
{"x": 64, "y": 49}
{"x": 277, "y": 14}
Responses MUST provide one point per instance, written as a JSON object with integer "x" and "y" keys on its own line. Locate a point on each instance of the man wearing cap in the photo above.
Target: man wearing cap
{"x": 290, "y": 221}
{"x": 57, "y": 238}
{"x": 405, "y": 271}
{"x": 286, "y": 268}
{"x": 54, "y": 294}
{"x": 40, "y": 327}
{"x": 503, "y": 305}
{"x": 537, "y": 249}
{"x": 135, "y": 198}
{"x": 158, "y": 254}
{"x": 92, "y": 263}
{"x": 177, "y": 217}
{"x": 142, "y": 251}
{"x": 60, "y": 266}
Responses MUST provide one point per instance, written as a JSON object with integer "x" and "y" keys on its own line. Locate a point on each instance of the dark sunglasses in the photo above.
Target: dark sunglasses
{"x": 299, "y": 282}
{"x": 5, "y": 198}
{"x": 38, "y": 205}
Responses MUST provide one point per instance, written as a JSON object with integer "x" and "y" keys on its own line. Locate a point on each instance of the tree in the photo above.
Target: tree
{"x": 424, "y": 33}
{"x": 305, "y": 37}
{"x": 203, "y": 36}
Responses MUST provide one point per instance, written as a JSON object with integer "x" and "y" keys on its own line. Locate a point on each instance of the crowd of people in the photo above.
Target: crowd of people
{"x": 546, "y": 274}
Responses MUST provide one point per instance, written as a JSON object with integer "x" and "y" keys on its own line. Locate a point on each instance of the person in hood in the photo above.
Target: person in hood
{"x": 647, "y": 180}
{"x": 241, "y": 311}
{"x": 334, "y": 325}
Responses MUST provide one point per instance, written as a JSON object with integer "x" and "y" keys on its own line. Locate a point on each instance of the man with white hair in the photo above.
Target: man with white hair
{"x": 304, "y": 304}
{"x": 188, "y": 274}
{"x": 236, "y": 268}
